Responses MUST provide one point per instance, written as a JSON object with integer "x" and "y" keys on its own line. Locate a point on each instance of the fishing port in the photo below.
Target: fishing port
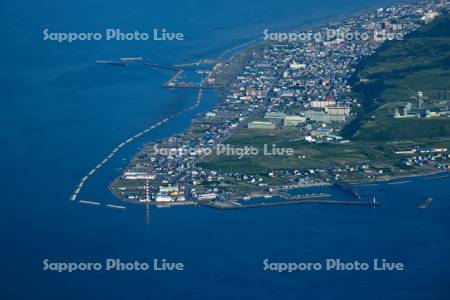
{"x": 254, "y": 105}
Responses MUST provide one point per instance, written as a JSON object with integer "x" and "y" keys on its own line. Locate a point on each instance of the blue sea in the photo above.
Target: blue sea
{"x": 61, "y": 114}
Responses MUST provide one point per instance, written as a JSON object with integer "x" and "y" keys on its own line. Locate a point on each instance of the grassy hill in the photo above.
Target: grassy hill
{"x": 420, "y": 62}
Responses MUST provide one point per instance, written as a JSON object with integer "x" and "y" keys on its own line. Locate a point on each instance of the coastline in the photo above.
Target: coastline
{"x": 249, "y": 46}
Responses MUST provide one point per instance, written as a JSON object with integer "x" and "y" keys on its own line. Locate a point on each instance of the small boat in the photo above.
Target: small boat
{"x": 426, "y": 203}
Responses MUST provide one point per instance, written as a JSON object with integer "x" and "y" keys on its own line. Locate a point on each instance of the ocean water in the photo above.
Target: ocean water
{"x": 61, "y": 114}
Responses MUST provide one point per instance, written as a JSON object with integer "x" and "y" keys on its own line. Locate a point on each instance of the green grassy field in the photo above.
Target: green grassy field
{"x": 376, "y": 154}
{"x": 315, "y": 155}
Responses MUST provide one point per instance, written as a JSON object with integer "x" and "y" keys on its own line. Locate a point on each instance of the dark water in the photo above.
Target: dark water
{"x": 61, "y": 114}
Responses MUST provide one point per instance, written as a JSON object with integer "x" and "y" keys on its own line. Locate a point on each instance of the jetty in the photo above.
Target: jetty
{"x": 115, "y": 206}
{"x": 226, "y": 205}
{"x": 158, "y": 66}
{"x": 110, "y": 62}
{"x": 89, "y": 202}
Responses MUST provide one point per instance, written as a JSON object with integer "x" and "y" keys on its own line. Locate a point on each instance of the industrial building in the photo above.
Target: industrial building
{"x": 274, "y": 115}
{"x": 294, "y": 120}
{"x": 338, "y": 110}
{"x": 322, "y": 104}
{"x": 261, "y": 125}
{"x": 321, "y": 116}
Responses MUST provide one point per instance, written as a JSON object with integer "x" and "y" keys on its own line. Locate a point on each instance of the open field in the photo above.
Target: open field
{"x": 315, "y": 155}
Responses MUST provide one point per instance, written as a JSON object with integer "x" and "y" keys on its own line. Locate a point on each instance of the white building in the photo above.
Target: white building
{"x": 162, "y": 198}
{"x": 294, "y": 120}
{"x": 209, "y": 196}
{"x": 338, "y": 110}
{"x": 322, "y": 104}
{"x": 138, "y": 176}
